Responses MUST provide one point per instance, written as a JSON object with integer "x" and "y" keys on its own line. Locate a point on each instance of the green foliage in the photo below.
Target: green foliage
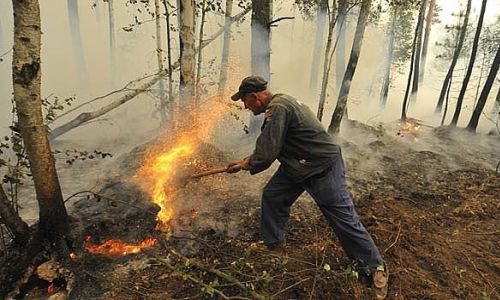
{"x": 53, "y": 105}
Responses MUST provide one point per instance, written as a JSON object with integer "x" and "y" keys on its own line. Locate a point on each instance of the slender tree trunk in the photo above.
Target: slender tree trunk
{"x": 410, "y": 74}
{"x": 261, "y": 38}
{"x": 447, "y": 101}
{"x": 472, "y": 59}
{"x": 420, "y": 27}
{"x": 485, "y": 92}
{"x": 390, "y": 54}
{"x": 318, "y": 43}
{"x": 111, "y": 16}
{"x": 74, "y": 26}
{"x": 262, "y": 11}
{"x": 26, "y": 74}
{"x": 425, "y": 45}
{"x": 225, "y": 47}
{"x": 479, "y": 81}
{"x": 456, "y": 54}
{"x": 495, "y": 110}
{"x": 159, "y": 58}
{"x": 327, "y": 61}
{"x": 341, "y": 106}
{"x": 341, "y": 30}
{"x": 169, "y": 62}
{"x": 200, "y": 51}
{"x": 187, "y": 52}
{"x": 12, "y": 220}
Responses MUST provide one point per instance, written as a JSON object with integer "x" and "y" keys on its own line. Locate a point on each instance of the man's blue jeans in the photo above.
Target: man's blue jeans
{"x": 330, "y": 192}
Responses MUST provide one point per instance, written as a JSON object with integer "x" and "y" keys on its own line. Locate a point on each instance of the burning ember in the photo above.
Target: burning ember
{"x": 117, "y": 247}
{"x": 51, "y": 289}
{"x": 73, "y": 256}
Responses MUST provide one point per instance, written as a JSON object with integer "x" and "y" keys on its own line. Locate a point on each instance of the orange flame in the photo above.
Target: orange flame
{"x": 117, "y": 247}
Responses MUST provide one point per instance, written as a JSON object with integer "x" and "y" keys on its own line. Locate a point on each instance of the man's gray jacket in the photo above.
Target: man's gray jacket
{"x": 292, "y": 134}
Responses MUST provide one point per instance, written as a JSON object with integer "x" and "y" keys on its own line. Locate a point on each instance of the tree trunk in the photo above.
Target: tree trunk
{"x": 410, "y": 74}
{"x": 475, "y": 44}
{"x": 318, "y": 43}
{"x": 447, "y": 101}
{"x": 341, "y": 106}
{"x": 225, "y": 47}
{"x": 74, "y": 26}
{"x": 187, "y": 52}
{"x": 12, "y": 220}
{"x": 420, "y": 27}
{"x": 390, "y": 54}
{"x": 111, "y": 16}
{"x": 495, "y": 110}
{"x": 159, "y": 58}
{"x": 485, "y": 92}
{"x": 341, "y": 29}
{"x": 169, "y": 62}
{"x": 456, "y": 54}
{"x": 26, "y": 74}
{"x": 425, "y": 45}
{"x": 200, "y": 51}
{"x": 327, "y": 61}
{"x": 262, "y": 11}
{"x": 261, "y": 38}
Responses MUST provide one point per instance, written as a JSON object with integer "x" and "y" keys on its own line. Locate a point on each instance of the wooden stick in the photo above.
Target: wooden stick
{"x": 210, "y": 172}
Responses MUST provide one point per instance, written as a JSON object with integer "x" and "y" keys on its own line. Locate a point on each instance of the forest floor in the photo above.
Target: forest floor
{"x": 429, "y": 197}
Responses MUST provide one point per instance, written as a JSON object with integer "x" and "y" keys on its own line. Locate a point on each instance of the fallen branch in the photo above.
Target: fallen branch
{"x": 480, "y": 273}
{"x": 280, "y": 19}
{"x": 395, "y": 241}
{"x": 87, "y": 116}
{"x": 222, "y": 275}
{"x": 196, "y": 280}
{"x": 124, "y": 88}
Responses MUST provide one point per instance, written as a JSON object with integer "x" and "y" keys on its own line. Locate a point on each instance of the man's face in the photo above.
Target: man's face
{"x": 253, "y": 102}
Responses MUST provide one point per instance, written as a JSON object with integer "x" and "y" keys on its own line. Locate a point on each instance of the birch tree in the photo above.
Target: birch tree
{"x": 26, "y": 75}
{"x": 187, "y": 51}
{"x": 470, "y": 66}
{"x": 225, "y": 46}
{"x": 159, "y": 58}
{"x": 341, "y": 106}
{"x": 454, "y": 59}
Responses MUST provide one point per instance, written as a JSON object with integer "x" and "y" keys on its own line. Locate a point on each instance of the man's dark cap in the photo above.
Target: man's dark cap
{"x": 250, "y": 84}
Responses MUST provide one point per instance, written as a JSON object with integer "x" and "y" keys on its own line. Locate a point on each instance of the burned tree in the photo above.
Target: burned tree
{"x": 341, "y": 106}
{"x": 320, "y": 28}
{"x": 454, "y": 59}
{"x": 472, "y": 59}
{"x": 418, "y": 48}
{"x": 12, "y": 220}
{"x": 485, "y": 92}
{"x": 26, "y": 75}
{"x": 425, "y": 45}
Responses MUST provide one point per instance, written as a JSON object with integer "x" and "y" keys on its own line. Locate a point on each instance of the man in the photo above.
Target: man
{"x": 311, "y": 162}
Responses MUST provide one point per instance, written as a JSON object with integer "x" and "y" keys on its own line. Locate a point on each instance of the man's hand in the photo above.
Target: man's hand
{"x": 238, "y": 165}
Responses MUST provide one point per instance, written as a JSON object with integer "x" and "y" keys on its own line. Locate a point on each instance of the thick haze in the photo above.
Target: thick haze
{"x": 292, "y": 42}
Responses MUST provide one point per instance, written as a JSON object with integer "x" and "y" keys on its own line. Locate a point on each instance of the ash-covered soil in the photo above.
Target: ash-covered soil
{"x": 429, "y": 197}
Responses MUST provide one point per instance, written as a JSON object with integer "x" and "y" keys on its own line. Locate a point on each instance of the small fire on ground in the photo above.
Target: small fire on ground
{"x": 117, "y": 247}
{"x": 159, "y": 172}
